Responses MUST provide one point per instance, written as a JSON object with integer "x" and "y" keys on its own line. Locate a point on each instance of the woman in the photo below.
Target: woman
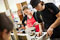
{"x": 6, "y": 26}
{"x": 29, "y": 18}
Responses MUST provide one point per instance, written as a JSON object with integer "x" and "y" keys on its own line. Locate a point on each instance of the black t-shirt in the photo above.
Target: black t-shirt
{"x": 49, "y": 14}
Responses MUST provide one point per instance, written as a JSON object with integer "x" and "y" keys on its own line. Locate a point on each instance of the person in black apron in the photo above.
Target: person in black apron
{"x": 50, "y": 15}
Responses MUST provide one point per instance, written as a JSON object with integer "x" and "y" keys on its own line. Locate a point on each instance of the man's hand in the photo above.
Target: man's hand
{"x": 50, "y": 31}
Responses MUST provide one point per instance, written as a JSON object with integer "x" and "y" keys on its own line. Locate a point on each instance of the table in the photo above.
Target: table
{"x": 28, "y": 37}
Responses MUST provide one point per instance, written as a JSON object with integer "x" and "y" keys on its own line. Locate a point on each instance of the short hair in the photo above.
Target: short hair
{"x": 34, "y": 3}
{"x": 5, "y": 23}
{"x": 25, "y": 7}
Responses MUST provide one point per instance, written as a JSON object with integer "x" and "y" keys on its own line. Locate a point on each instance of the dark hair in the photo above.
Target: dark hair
{"x": 34, "y": 3}
{"x": 25, "y": 7}
{"x": 5, "y": 23}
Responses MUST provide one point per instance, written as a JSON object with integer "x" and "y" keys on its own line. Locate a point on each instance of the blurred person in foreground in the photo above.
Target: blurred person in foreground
{"x": 6, "y": 26}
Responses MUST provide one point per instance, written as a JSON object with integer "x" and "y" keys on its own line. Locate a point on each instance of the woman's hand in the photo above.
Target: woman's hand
{"x": 40, "y": 33}
{"x": 36, "y": 23}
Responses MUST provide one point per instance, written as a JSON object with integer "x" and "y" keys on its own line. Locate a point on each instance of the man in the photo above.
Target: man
{"x": 6, "y": 26}
{"x": 50, "y": 15}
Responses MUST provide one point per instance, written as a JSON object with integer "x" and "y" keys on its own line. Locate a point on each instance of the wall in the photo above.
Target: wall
{"x": 2, "y": 6}
{"x": 12, "y": 5}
